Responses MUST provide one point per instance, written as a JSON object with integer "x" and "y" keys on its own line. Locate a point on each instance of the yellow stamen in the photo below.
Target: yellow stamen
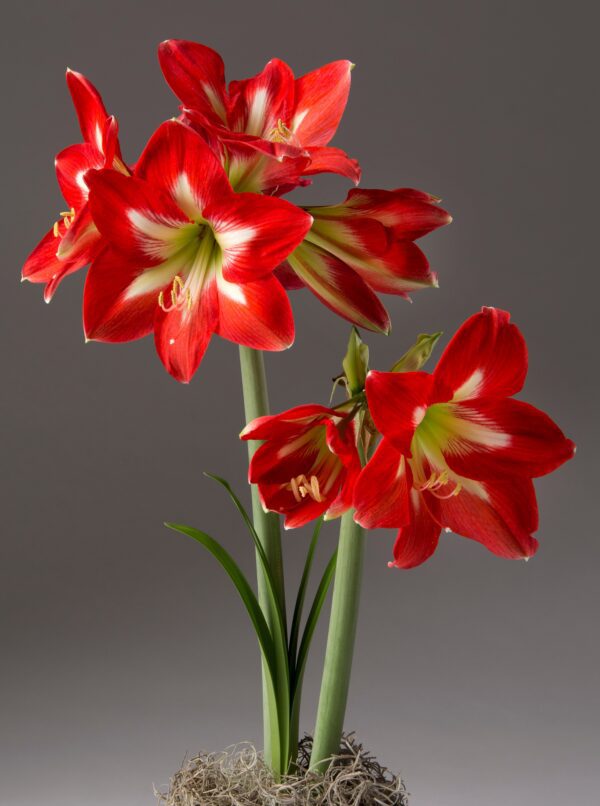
{"x": 180, "y": 295}
{"x": 301, "y": 487}
{"x": 55, "y": 229}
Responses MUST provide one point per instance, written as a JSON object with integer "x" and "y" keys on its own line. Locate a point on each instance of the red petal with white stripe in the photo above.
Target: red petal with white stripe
{"x": 339, "y": 287}
{"x": 321, "y": 98}
{"x": 487, "y": 357}
{"x": 256, "y": 233}
{"x": 258, "y": 104}
{"x": 256, "y": 314}
{"x": 398, "y": 402}
{"x": 178, "y": 160}
{"x": 110, "y": 311}
{"x": 135, "y": 217}
{"x": 89, "y": 107}
{"x": 72, "y": 165}
{"x": 504, "y": 437}
{"x": 196, "y": 74}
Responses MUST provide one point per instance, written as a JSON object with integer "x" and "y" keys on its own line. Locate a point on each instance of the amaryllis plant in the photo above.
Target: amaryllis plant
{"x": 193, "y": 239}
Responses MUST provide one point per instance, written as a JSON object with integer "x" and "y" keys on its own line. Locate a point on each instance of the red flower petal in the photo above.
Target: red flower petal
{"x": 259, "y": 103}
{"x": 288, "y": 277}
{"x": 89, "y": 108}
{"x": 326, "y": 159}
{"x": 196, "y": 74}
{"x": 72, "y": 164}
{"x": 135, "y": 217}
{"x": 398, "y": 402}
{"x": 339, "y": 287}
{"x": 501, "y": 517}
{"x": 256, "y": 314}
{"x": 401, "y": 270}
{"x": 43, "y": 266}
{"x": 321, "y": 98}
{"x": 486, "y": 357}
{"x": 178, "y": 160}
{"x": 286, "y": 423}
{"x": 410, "y": 214}
{"x": 382, "y": 490}
{"x": 81, "y": 237}
{"x": 505, "y": 437}
{"x": 418, "y": 540}
{"x": 110, "y": 313}
{"x": 181, "y": 336}
{"x": 256, "y": 233}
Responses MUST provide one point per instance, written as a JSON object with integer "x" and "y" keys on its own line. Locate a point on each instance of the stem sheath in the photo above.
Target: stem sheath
{"x": 340, "y": 643}
{"x": 256, "y": 404}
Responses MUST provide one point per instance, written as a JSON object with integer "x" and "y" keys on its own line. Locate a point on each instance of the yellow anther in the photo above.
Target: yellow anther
{"x": 280, "y": 133}
{"x": 295, "y": 490}
{"x": 55, "y": 229}
{"x": 301, "y": 487}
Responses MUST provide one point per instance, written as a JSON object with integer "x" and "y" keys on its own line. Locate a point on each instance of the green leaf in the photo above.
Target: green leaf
{"x": 297, "y": 617}
{"x": 279, "y": 633}
{"x": 259, "y": 623}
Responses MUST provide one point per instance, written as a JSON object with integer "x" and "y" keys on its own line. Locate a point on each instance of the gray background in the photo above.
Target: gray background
{"x": 123, "y": 647}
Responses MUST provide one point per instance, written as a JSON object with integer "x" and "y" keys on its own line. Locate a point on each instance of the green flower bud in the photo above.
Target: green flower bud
{"x": 356, "y": 363}
{"x": 418, "y": 355}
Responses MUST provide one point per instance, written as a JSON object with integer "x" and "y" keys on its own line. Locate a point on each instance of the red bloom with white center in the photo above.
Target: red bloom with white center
{"x": 187, "y": 257}
{"x": 308, "y": 463}
{"x": 457, "y": 451}
{"x": 363, "y": 247}
{"x": 271, "y": 113}
{"x": 74, "y": 241}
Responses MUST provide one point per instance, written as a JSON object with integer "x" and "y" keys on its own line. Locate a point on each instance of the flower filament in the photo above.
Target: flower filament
{"x": 437, "y": 481}
{"x": 67, "y": 218}
{"x": 180, "y": 296}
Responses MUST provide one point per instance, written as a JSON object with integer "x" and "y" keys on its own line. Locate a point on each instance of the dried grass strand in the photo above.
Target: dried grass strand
{"x": 238, "y": 776}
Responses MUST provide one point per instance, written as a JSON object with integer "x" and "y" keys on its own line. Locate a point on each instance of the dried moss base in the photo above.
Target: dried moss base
{"x": 238, "y": 777}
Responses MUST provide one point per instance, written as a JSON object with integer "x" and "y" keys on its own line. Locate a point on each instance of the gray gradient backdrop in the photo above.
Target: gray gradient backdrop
{"x": 123, "y": 647}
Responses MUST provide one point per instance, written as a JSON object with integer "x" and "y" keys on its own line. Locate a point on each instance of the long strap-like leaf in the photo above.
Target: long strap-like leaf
{"x": 297, "y": 617}
{"x": 261, "y": 628}
{"x": 279, "y": 632}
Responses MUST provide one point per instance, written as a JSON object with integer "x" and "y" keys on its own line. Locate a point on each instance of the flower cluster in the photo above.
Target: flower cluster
{"x": 456, "y": 450}
{"x": 194, "y": 239}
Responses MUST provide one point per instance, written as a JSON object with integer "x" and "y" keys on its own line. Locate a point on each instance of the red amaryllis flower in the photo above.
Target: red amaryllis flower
{"x": 73, "y": 241}
{"x": 364, "y": 246}
{"x": 457, "y": 451}
{"x": 308, "y": 464}
{"x": 188, "y": 257}
{"x": 296, "y": 116}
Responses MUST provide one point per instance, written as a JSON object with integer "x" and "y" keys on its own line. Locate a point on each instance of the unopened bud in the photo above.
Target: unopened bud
{"x": 356, "y": 363}
{"x": 418, "y": 355}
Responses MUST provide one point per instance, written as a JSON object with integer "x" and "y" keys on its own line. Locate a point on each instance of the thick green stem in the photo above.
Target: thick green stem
{"x": 340, "y": 643}
{"x": 256, "y": 404}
